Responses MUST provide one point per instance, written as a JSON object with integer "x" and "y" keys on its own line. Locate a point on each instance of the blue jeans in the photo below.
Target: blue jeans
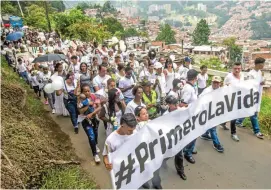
{"x": 71, "y": 106}
{"x": 254, "y": 122}
{"x": 189, "y": 148}
{"x": 214, "y": 136}
{"x": 92, "y": 133}
{"x": 127, "y": 100}
{"x": 24, "y": 76}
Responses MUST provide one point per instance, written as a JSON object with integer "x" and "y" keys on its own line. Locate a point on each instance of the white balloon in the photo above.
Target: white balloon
{"x": 121, "y": 42}
{"x": 57, "y": 84}
{"x": 115, "y": 40}
{"x": 122, "y": 48}
{"x": 48, "y": 88}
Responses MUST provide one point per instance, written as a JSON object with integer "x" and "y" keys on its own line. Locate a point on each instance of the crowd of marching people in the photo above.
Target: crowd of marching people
{"x": 98, "y": 84}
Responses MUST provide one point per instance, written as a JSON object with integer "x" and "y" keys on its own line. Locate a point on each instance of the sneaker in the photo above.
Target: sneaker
{"x": 53, "y": 111}
{"x": 235, "y": 137}
{"x": 46, "y": 102}
{"x": 76, "y": 130}
{"x": 206, "y": 137}
{"x": 224, "y": 126}
{"x": 259, "y": 135}
{"x": 97, "y": 158}
{"x": 219, "y": 148}
{"x": 97, "y": 149}
{"x": 240, "y": 125}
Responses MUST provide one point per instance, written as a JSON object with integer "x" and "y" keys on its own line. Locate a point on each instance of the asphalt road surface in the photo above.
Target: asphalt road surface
{"x": 244, "y": 164}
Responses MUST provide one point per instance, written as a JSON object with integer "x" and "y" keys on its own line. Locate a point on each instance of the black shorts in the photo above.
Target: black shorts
{"x": 36, "y": 89}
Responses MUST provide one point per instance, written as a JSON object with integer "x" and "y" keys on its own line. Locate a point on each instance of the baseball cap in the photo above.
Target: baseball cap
{"x": 187, "y": 59}
{"x": 158, "y": 65}
{"x": 216, "y": 79}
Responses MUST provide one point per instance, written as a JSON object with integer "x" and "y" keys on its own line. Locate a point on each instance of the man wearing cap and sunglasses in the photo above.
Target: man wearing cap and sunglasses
{"x": 216, "y": 81}
{"x": 172, "y": 103}
{"x": 189, "y": 95}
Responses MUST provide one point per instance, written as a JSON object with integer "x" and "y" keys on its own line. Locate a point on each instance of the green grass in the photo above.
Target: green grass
{"x": 264, "y": 116}
{"x": 65, "y": 177}
{"x": 71, "y": 177}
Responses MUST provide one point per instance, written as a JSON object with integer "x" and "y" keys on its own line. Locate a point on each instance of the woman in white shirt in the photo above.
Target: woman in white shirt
{"x": 202, "y": 79}
{"x": 169, "y": 74}
{"x": 137, "y": 101}
{"x": 70, "y": 91}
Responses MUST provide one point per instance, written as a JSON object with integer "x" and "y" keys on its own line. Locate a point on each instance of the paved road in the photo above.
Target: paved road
{"x": 244, "y": 164}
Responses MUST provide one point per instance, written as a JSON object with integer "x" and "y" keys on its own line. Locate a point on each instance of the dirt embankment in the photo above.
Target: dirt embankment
{"x": 31, "y": 141}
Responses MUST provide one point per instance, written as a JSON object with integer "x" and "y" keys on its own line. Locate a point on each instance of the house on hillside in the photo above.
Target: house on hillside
{"x": 209, "y": 50}
{"x": 136, "y": 42}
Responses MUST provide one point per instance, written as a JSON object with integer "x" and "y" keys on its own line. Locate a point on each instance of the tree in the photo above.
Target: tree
{"x": 234, "y": 50}
{"x": 213, "y": 63}
{"x": 166, "y": 34}
{"x": 113, "y": 25}
{"x": 201, "y": 33}
{"x": 36, "y": 17}
{"x": 7, "y": 7}
{"x": 108, "y": 8}
{"x": 130, "y": 32}
{"x": 87, "y": 31}
{"x": 58, "y": 5}
{"x": 65, "y": 19}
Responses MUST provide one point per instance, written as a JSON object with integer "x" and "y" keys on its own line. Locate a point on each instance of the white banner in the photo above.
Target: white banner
{"x": 136, "y": 160}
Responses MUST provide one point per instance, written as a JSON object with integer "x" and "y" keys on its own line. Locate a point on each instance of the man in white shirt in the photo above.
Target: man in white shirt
{"x": 216, "y": 80}
{"x": 126, "y": 85}
{"x": 185, "y": 68}
{"x": 100, "y": 81}
{"x": 175, "y": 91}
{"x": 75, "y": 66}
{"x": 160, "y": 85}
{"x": 232, "y": 78}
{"x": 150, "y": 74}
{"x": 22, "y": 70}
{"x": 256, "y": 74}
{"x": 189, "y": 95}
{"x": 202, "y": 79}
{"x": 172, "y": 103}
{"x": 119, "y": 137}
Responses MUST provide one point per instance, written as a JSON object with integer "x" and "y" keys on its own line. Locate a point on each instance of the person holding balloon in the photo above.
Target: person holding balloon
{"x": 58, "y": 78}
{"x": 44, "y": 79}
{"x": 70, "y": 89}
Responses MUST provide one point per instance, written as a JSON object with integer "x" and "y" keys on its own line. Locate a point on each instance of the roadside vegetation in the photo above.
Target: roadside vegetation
{"x": 35, "y": 152}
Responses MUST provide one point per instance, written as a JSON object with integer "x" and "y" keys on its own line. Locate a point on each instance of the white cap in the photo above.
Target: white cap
{"x": 158, "y": 65}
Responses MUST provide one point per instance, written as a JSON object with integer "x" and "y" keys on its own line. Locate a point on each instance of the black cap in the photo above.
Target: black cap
{"x": 192, "y": 74}
{"x": 171, "y": 100}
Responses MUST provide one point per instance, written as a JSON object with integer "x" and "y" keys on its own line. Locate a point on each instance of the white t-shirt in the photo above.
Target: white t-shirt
{"x": 189, "y": 93}
{"x": 34, "y": 81}
{"x": 141, "y": 124}
{"x": 202, "y": 79}
{"x": 183, "y": 72}
{"x": 68, "y": 88}
{"x": 114, "y": 141}
{"x": 125, "y": 83}
{"x": 44, "y": 78}
{"x": 101, "y": 82}
{"x": 21, "y": 68}
{"x": 162, "y": 81}
{"x": 207, "y": 90}
{"x": 151, "y": 76}
{"x": 231, "y": 79}
{"x": 131, "y": 106}
{"x": 175, "y": 94}
{"x": 75, "y": 69}
{"x": 257, "y": 75}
